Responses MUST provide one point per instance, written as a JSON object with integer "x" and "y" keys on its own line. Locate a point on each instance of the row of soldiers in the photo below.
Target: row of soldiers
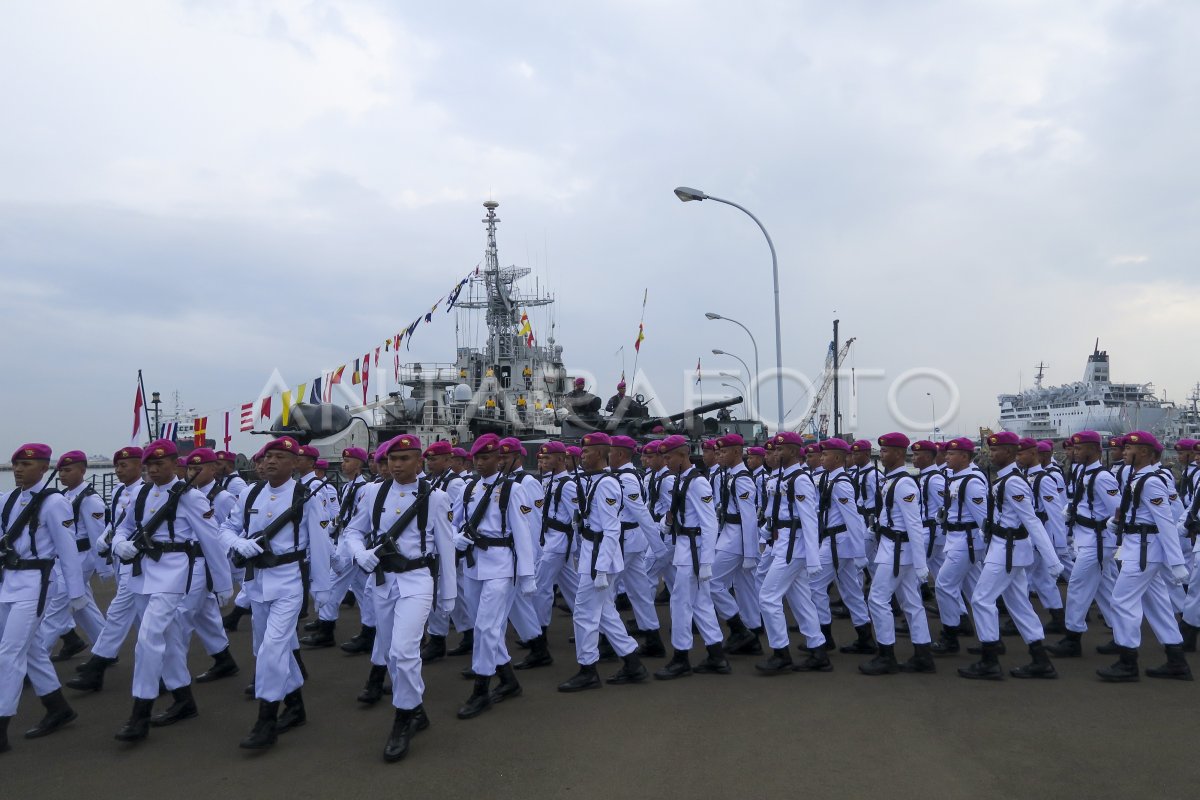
{"x": 443, "y": 536}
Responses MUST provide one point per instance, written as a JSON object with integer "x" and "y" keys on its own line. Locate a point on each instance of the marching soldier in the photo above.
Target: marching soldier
{"x": 736, "y": 559}
{"x": 400, "y": 532}
{"x": 867, "y": 479}
{"x": 1150, "y": 559}
{"x": 273, "y": 526}
{"x": 1015, "y": 533}
{"x": 168, "y": 526}
{"x": 35, "y": 538}
{"x": 523, "y": 617}
{"x": 963, "y": 515}
{"x": 439, "y": 466}
{"x": 229, "y": 479}
{"x": 1189, "y": 527}
{"x": 1049, "y": 504}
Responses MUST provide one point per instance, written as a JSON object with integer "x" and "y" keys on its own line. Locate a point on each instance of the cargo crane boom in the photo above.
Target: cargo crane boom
{"x": 826, "y": 382}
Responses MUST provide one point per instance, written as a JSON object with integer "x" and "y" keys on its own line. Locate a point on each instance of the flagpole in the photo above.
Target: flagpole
{"x": 146, "y": 408}
{"x": 637, "y": 351}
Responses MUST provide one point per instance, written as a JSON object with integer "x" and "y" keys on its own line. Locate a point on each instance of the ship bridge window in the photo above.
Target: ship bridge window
{"x": 1092, "y": 402}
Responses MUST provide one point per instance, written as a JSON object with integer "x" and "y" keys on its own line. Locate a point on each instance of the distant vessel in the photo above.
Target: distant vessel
{"x": 1095, "y": 403}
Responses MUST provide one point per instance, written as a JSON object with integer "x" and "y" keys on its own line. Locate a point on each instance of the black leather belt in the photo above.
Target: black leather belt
{"x": 1143, "y": 530}
{"x": 692, "y": 535}
{"x": 270, "y": 560}
{"x": 898, "y": 538}
{"x": 83, "y": 545}
{"x": 1010, "y": 536}
{"x": 42, "y": 565}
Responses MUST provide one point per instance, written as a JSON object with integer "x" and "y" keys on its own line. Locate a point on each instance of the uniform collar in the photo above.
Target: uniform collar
{"x": 1006, "y": 470}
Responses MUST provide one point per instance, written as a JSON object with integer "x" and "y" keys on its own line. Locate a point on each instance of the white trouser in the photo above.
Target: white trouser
{"x": 850, "y": 586}
{"x": 907, "y": 590}
{"x": 58, "y": 617}
{"x": 350, "y": 579}
{"x": 691, "y": 602}
{"x": 462, "y": 615}
{"x": 553, "y": 568}
{"x": 158, "y": 654}
{"x": 790, "y": 581}
{"x": 20, "y": 655}
{"x": 1137, "y": 592}
{"x": 524, "y": 617}
{"x": 491, "y": 620}
{"x": 994, "y": 582}
{"x": 1090, "y": 580}
{"x": 957, "y": 577}
{"x": 1191, "y": 605}
{"x": 596, "y": 613}
{"x": 200, "y": 614}
{"x": 276, "y": 671}
{"x": 121, "y": 614}
{"x": 936, "y": 558}
{"x": 1042, "y": 584}
{"x": 639, "y": 588}
{"x": 243, "y": 598}
{"x": 400, "y": 623}
{"x": 728, "y": 573}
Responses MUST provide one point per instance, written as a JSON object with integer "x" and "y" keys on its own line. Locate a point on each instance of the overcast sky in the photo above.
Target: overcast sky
{"x": 210, "y": 191}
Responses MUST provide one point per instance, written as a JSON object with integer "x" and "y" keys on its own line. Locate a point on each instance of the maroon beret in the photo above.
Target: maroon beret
{"x": 127, "y": 452}
{"x": 159, "y": 448}
{"x": 257, "y": 457}
{"x": 1045, "y": 446}
{"x": 355, "y": 452}
{"x": 1004, "y": 437}
{"x": 708, "y": 444}
{"x": 552, "y": 449}
{"x": 894, "y": 439}
{"x": 756, "y": 451}
{"x": 309, "y": 451}
{"x": 961, "y": 445}
{"x": 1116, "y": 441}
{"x": 459, "y": 452}
{"x": 284, "y": 444}
{"x": 1086, "y": 437}
{"x": 860, "y": 446}
{"x": 201, "y": 455}
{"x": 405, "y": 441}
{"x": 924, "y": 446}
{"x": 731, "y": 440}
{"x": 788, "y": 437}
{"x": 1185, "y": 445}
{"x": 594, "y": 438}
{"x": 1144, "y": 437}
{"x": 380, "y": 453}
{"x": 35, "y": 451}
{"x": 579, "y": 381}
{"x": 72, "y": 457}
{"x": 226, "y": 455}
{"x": 841, "y": 445}
{"x": 809, "y": 449}
{"x": 439, "y": 448}
{"x": 651, "y": 448}
{"x": 574, "y": 452}
{"x": 624, "y": 441}
{"x": 488, "y": 443}
{"x": 1027, "y": 443}
{"x": 672, "y": 443}
{"x": 321, "y": 464}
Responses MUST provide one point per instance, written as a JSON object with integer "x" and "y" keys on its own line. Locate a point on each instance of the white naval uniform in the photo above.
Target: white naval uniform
{"x": 453, "y": 485}
{"x": 792, "y": 515}
{"x": 556, "y": 539}
{"x": 1012, "y": 517}
{"x": 498, "y": 567}
{"x": 21, "y": 591}
{"x": 234, "y": 484}
{"x": 737, "y": 550}
{"x": 122, "y": 610}
{"x": 346, "y": 576}
{"x": 932, "y": 482}
{"x": 523, "y": 616}
{"x": 1149, "y": 551}
{"x": 88, "y": 529}
{"x": 199, "y": 612}
{"x": 599, "y": 553}
{"x": 659, "y": 490}
{"x": 403, "y": 599}
{"x": 162, "y": 584}
{"x": 840, "y": 523}
{"x": 1094, "y": 498}
{"x": 694, "y": 526}
{"x": 641, "y": 547}
{"x": 897, "y": 563}
{"x": 276, "y": 593}
{"x": 868, "y": 479}
{"x": 1050, "y": 505}
{"x": 964, "y": 515}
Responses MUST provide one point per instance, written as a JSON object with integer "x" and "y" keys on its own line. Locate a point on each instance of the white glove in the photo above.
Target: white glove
{"x": 224, "y": 597}
{"x": 367, "y": 560}
{"x": 125, "y": 550}
{"x": 705, "y": 572}
{"x": 79, "y": 603}
{"x": 1063, "y": 553}
{"x": 461, "y": 541}
{"x": 601, "y": 580}
{"x": 860, "y": 562}
{"x": 527, "y": 584}
{"x": 246, "y": 548}
{"x": 1056, "y": 569}
{"x": 103, "y": 546}
{"x": 749, "y": 563}
{"x": 922, "y": 574}
{"x": 1179, "y": 574}
{"x": 446, "y": 604}
{"x": 814, "y": 572}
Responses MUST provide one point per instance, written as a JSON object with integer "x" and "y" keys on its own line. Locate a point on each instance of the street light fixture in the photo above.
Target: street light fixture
{"x": 687, "y": 194}
{"x": 757, "y": 372}
{"x": 731, "y": 387}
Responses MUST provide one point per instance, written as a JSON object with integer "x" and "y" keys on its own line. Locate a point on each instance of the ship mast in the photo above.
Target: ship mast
{"x": 1041, "y": 373}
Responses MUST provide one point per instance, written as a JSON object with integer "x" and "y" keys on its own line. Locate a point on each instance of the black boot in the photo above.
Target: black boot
{"x": 663, "y": 597}
{"x": 1189, "y": 636}
{"x": 838, "y": 609}
{"x": 293, "y": 715}
{"x": 1176, "y": 666}
{"x": 539, "y": 654}
{"x": 632, "y": 671}
{"x": 1001, "y": 649}
{"x": 884, "y": 662}
{"x": 248, "y": 692}
{"x": 262, "y": 735}
{"x": 348, "y": 601}
{"x": 715, "y": 663}
{"x": 947, "y": 643}
{"x": 921, "y": 661}
{"x": 986, "y": 668}
{"x": 479, "y": 701}
{"x": 311, "y": 625}
{"x": 403, "y": 728}
{"x": 420, "y": 718}
{"x": 739, "y": 635}
{"x": 1110, "y": 648}
{"x": 361, "y": 642}
{"x": 72, "y": 646}
{"x": 374, "y": 688}
{"x": 223, "y": 666}
{"x": 58, "y": 713}
{"x": 1008, "y": 627}
{"x": 652, "y": 645}
{"x": 508, "y": 687}
{"x": 965, "y": 627}
{"x": 183, "y": 708}
{"x": 864, "y": 644}
{"x": 1069, "y": 646}
{"x": 300, "y": 664}
{"x": 1058, "y": 621}
{"x": 465, "y": 645}
{"x": 827, "y": 630}
{"x": 91, "y": 674}
{"x": 607, "y": 653}
{"x": 677, "y": 667}
{"x": 230, "y": 620}
{"x": 1040, "y": 667}
{"x": 138, "y": 726}
{"x": 586, "y": 678}
{"x": 322, "y": 636}
{"x": 817, "y": 661}
{"x": 1125, "y": 670}
{"x": 779, "y": 662}
{"x": 434, "y": 649}
{"x": 4, "y": 745}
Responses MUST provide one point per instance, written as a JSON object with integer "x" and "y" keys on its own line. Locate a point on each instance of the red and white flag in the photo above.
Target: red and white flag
{"x": 139, "y": 402}
{"x": 264, "y": 408}
{"x": 247, "y": 417}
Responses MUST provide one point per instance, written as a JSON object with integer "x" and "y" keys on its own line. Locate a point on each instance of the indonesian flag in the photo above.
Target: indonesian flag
{"x": 247, "y": 417}
{"x": 200, "y": 430}
{"x": 139, "y": 402}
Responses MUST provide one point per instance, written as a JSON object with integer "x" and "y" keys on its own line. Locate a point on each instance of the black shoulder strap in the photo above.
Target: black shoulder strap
{"x": 380, "y": 499}
{"x": 251, "y": 496}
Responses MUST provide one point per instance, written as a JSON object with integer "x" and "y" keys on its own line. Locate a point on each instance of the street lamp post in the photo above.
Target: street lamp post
{"x": 734, "y": 388}
{"x": 745, "y": 366}
{"x": 155, "y": 399}
{"x": 757, "y": 371}
{"x": 686, "y": 194}
{"x": 932, "y": 412}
